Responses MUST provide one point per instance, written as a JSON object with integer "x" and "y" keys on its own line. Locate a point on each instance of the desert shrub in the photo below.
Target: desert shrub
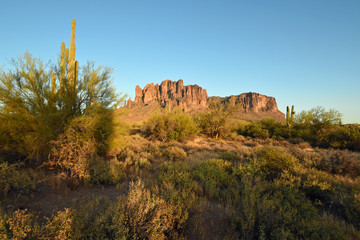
{"x": 80, "y": 148}
{"x": 214, "y": 122}
{"x": 92, "y": 220}
{"x": 35, "y": 110}
{"x": 324, "y": 129}
{"x": 15, "y": 179}
{"x": 60, "y": 225}
{"x": 176, "y": 153}
{"x": 117, "y": 138}
{"x": 230, "y": 156}
{"x": 292, "y": 216}
{"x": 256, "y": 131}
{"x": 218, "y": 179}
{"x": 270, "y": 211}
{"x": 143, "y": 215}
{"x": 340, "y": 162}
{"x": 73, "y": 152}
{"x": 19, "y": 225}
{"x": 133, "y": 161}
{"x": 272, "y": 162}
{"x": 275, "y": 128}
{"x": 177, "y": 184}
{"x": 331, "y": 227}
{"x": 170, "y": 125}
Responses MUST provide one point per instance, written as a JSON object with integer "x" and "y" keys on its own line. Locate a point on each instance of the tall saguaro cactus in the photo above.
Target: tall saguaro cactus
{"x": 290, "y": 115}
{"x": 62, "y": 68}
{"x": 72, "y": 67}
{"x": 68, "y": 74}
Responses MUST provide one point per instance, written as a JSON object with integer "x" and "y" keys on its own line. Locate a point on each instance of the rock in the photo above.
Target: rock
{"x": 138, "y": 94}
{"x": 195, "y": 98}
{"x": 252, "y": 102}
{"x": 171, "y": 93}
{"x": 149, "y": 94}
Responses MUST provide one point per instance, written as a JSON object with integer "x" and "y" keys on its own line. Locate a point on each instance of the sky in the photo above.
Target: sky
{"x": 304, "y": 53}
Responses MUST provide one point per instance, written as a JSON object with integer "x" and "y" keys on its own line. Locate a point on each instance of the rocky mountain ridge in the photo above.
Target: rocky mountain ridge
{"x": 170, "y": 92}
{"x": 193, "y": 98}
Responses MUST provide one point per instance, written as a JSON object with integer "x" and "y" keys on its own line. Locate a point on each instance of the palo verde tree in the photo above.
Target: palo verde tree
{"x": 39, "y": 101}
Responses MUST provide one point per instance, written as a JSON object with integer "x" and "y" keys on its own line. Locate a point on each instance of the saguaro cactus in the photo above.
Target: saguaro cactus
{"x": 72, "y": 68}
{"x": 290, "y": 116}
{"x": 67, "y": 55}
{"x": 62, "y": 67}
{"x": 68, "y": 84}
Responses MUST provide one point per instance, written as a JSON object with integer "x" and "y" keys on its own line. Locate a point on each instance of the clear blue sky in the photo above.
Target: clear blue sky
{"x": 304, "y": 53}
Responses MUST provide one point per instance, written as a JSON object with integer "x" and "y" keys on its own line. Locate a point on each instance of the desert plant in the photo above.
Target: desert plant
{"x": 15, "y": 179}
{"x": 143, "y": 215}
{"x": 214, "y": 121}
{"x": 36, "y": 105}
{"x": 170, "y": 125}
{"x": 272, "y": 162}
{"x": 290, "y": 116}
{"x": 19, "y": 225}
{"x": 176, "y": 153}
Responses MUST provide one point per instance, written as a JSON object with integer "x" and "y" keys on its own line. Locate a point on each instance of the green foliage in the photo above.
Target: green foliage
{"x": 35, "y": 108}
{"x": 177, "y": 185}
{"x": 143, "y": 215}
{"x": 272, "y": 162}
{"x": 214, "y": 121}
{"x": 170, "y": 125}
{"x": 265, "y": 128}
{"x": 317, "y": 126}
{"x": 19, "y": 225}
{"x": 261, "y": 193}
{"x": 218, "y": 178}
{"x": 79, "y": 151}
{"x": 15, "y": 179}
{"x": 255, "y": 130}
{"x": 318, "y": 116}
{"x": 60, "y": 226}
{"x": 176, "y": 153}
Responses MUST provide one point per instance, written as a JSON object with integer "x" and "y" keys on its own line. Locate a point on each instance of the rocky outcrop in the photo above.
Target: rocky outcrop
{"x": 170, "y": 93}
{"x": 194, "y": 98}
{"x": 251, "y": 102}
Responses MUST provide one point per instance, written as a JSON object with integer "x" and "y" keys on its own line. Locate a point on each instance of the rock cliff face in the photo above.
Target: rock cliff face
{"x": 252, "y": 102}
{"x": 170, "y": 93}
{"x": 193, "y": 98}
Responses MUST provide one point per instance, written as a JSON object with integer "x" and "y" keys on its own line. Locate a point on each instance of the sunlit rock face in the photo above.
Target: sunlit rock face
{"x": 194, "y": 98}
{"x": 170, "y": 93}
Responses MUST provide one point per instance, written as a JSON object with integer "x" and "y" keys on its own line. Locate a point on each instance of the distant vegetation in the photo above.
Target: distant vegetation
{"x": 317, "y": 126}
{"x": 200, "y": 176}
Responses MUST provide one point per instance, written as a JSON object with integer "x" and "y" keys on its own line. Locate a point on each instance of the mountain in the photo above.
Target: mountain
{"x": 193, "y": 98}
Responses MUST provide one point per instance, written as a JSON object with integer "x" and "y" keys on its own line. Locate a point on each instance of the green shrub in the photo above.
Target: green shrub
{"x": 60, "y": 226}
{"x": 15, "y": 179}
{"x": 79, "y": 151}
{"x": 255, "y": 130}
{"x": 177, "y": 185}
{"x": 214, "y": 122}
{"x": 218, "y": 179}
{"x": 170, "y": 125}
{"x": 230, "y": 156}
{"x": 272, "y": 162}
{"x": 19, "y": 225}
{"x": 143, "y": 215}
{"x": 176, "y": 153}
